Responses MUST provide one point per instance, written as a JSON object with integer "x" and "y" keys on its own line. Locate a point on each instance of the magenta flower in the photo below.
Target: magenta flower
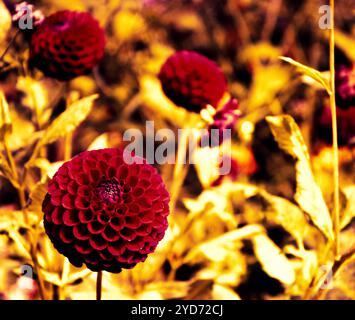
{"x": 192, "y": 81}
{"x": 106, "y": 213}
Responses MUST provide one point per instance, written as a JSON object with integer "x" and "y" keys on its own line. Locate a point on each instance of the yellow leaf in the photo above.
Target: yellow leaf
{"x": 349, "y": 212}
{"x": 308, "y": 194}
{"x": 255, "y": 53}
{"x": 6, "y": 171}
{"x": 168, "y": 289}
{"x": 220, "y": 292}
{"x": 69, "y": 120}
{"x": 5, "y": 120}
{"x": 51, "y": 277}
{"x": 288, "y": 215}
{"x": 127, "y": 24}
{"x": 346, "y": 43}
{"x": 22, "y": 134}
{"x": 78, "y": 274}
{"x": 5, "y": 22}
{"x": 101, "y": 142}
{"x": 268, "y": 81}
{"x": 313, "y": 73}
{"x": 273, "y": 261}
{"x": 36, "y": 97}
{"x": 37, "y": 196}
{"x": 206, "y": 162}
{"x": 218, "y": 248}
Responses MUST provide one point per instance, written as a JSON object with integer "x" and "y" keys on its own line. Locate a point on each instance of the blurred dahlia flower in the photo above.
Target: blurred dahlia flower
{"x": 192, "y": 81}
{"x": 345, "y": 86}
{"x": 67, "y": 44}
{"x": 106, "y": 213}
{"x": 346, "y": 125}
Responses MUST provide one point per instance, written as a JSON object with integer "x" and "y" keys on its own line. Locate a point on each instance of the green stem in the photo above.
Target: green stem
{"x": 336, "y": 211}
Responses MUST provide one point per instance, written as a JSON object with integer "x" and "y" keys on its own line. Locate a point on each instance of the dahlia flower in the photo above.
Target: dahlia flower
{"x": 67, "y": 44}
{"x": 106, "y": 213}
{"x": 192, "y": 81}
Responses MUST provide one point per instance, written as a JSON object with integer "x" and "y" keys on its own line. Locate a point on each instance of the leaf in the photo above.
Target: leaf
{"x": 346, "y": 43}
{"x": 268, "y": 81}
{"x": 22, "y": 245}
{"x": 52, "y": 277}
{"x": 280, "y": 211}
{"x": 169, "y": 289}
{"x": 80, "y": 274}
{"x": 198, "y": 289}
{"x": 313, "y": 73}
{"x": 207, "y": 161}
{"x": 288, "y": 215}
{"x": 36, "y": 97}
{"x": 69, "y": 120}
{"x": 37, "y": 196}
{"x": 273, "y": 261}
{"x": 349, "y": 212}
{"x": 5, "y": 119}
{"x": 308, "y": 194}
{"x": 6, "y": 171}
{"x": 218, "y": 248}
{"x": 5, "y": 23}
{"x": 220, "y": 292}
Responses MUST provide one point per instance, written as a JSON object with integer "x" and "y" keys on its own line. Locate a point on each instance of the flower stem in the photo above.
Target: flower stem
{"x": 9, "y": 45}
{"x": 180, "y": 169}
{"x": 22, "y": 199}
{"x": 336, "y": 211}
{"x": 99, "y": 285}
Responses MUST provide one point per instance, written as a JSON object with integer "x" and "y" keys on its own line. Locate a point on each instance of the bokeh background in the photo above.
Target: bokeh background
{"x": 244, "y": 237}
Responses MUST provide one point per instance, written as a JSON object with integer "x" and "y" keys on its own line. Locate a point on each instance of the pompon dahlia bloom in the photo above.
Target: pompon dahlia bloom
{"x": 345, "y": 86}
{"x": 67, "y": 44}
{"x": 192, "y": 81}
{"x": 104, "y": 212}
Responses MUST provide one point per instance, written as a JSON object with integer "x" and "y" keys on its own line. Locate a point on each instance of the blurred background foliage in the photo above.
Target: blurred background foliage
{"x": 244, "y": 239}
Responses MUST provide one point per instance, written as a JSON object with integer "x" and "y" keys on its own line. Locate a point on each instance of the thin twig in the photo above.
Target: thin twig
{"x": 9, "y": 45}
{"x": 336, "y": 211}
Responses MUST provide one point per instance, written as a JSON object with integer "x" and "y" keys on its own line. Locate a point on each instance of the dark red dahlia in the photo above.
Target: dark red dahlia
{"x": 67, "y": 44}
{"x": 345, "y": 86}
{"x": 192, "y": 81}
{"x": 224, "y": 119}
{"x": 104, "y": 212}
{"x": 345, "y": 124}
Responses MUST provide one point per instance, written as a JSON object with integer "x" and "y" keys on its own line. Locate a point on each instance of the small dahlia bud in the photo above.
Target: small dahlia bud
{"x": 192, "y": 81}
{"x": 106, "y": 213}
{"x": 345, "y": 86}
{"x": 67, "y": 44}
{"x": 224, "y": 119}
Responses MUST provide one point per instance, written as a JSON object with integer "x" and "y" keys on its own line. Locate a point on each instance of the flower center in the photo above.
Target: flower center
{"x": 109, "y": 191}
